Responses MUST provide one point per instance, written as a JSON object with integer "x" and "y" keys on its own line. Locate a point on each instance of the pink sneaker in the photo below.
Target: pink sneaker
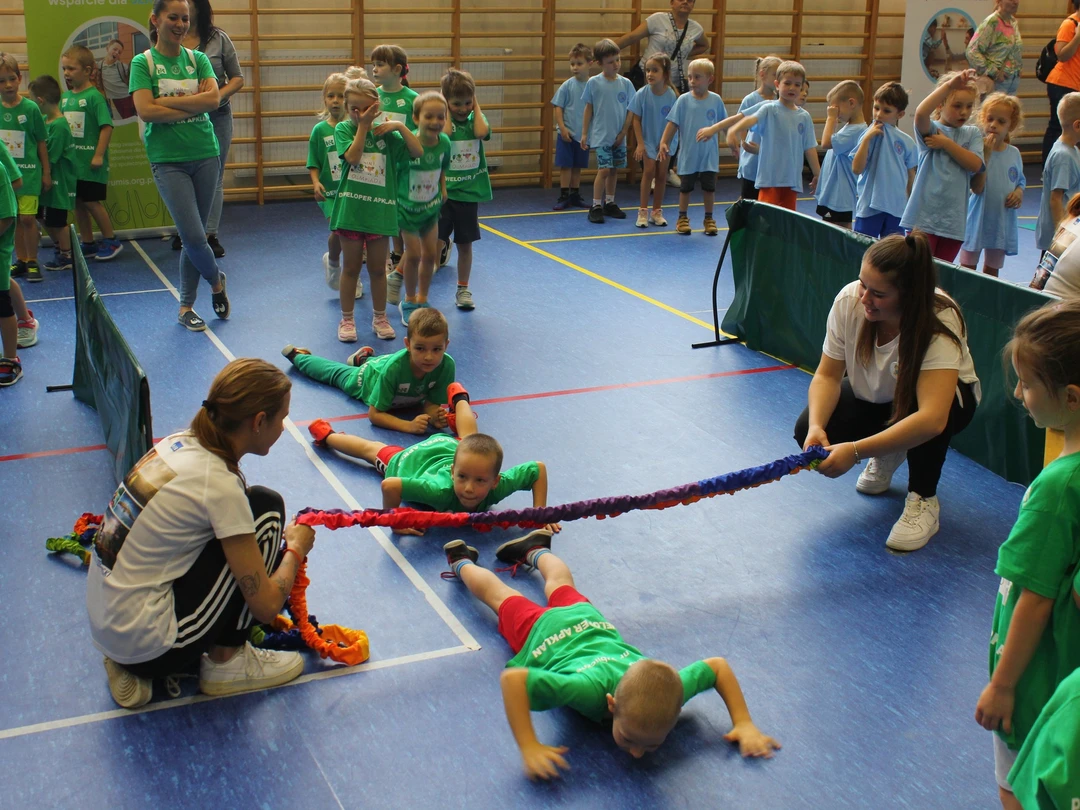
{"x": 28, "y": 330}
{"x": 346, "y": 330}
{"x": 380, "y": 324}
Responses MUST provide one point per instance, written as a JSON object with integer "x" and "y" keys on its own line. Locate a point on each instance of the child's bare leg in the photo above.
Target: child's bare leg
{"x": 647, "y": 175}
{"x": 485, "y": 586}
{"x": 598, "y": 185}
{"x": 564, "y": 177}
{"x": 709, "y": 197}
{"x": 661, "y": 186}
{"x": 575, "y": 178}
{"x": 352, "y": 255}
{"x": 101, "y": 217}
{"x": 612, "y": 179}
{"x": 429, "y": 258}
{"x": 355, "y": 446}
{"x": 9, "y": 336}
{"x": 464, "y": 263}
{"x": 26, "y": 238}
{"x": 18, "y": 303}
{"x": 466, "y": 419}
{"x": 410, "y": 264}
{"x": 684, "y": 201}
{"x": 82, "y": 222}
{"x": 555, "y": 572}
{"x": 993, "y": 261}
{"x": 376, "y": 268}
{"x": 1008, "y": 800}
{"x": 333, "y": 246}
{"x": 399, "y": 245}
{"x": 61, "y": 238}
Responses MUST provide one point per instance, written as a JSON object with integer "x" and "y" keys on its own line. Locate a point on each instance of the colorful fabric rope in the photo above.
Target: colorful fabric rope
{"x": 599, "y": 508}
{"x": 80, "y": 539}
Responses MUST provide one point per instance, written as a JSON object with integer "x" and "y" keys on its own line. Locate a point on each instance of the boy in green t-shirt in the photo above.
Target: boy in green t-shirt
{"x": 467, "y": 181}
{"x": 1046, "y": 775}
{"x": 60, "y": 199}
{"x": 567, "y": 654}
{"x": 10, "y": 366}
{"x": 22, "y": 131}
{"x": 419, "y": 374}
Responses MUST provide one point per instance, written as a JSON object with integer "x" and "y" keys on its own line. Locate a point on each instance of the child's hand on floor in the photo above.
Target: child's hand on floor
{"x": 439, "y": 421}
{"x": 752, "y": 743}
{"x": 540, "y": 760}
{"x": 419, "y": 424}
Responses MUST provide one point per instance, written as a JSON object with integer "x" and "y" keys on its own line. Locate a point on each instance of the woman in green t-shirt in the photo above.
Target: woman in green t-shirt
{"x": 174, "y": 90}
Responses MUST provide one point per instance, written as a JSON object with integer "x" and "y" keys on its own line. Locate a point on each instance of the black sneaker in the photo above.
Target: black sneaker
{"x": 192, "y": 322}
{"x": 514, "y": 552}
{"x": 176, "y": 242}
{"x": 215, "y": 246}
{"x": 577, "y": 201}
{"x": 395, "y": 258}
{"x": 613, "y": 211}
{"x": 221, "y": 300}
{"x": 359, "y": 357}
{"x": 561, "y": 203}
{"x": 456, "y": 550}
{"x": 18, "y": 269}
{"x": 596, "y": 214}
{"x": 33, "y": 272}
{"x": 444, "y": 254}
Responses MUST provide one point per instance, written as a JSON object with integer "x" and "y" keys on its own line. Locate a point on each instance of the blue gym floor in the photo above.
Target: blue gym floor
{"x": 866, "y": 665}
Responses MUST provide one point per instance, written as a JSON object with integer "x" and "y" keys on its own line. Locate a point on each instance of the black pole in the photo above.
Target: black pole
{"x": 717, "y": 340}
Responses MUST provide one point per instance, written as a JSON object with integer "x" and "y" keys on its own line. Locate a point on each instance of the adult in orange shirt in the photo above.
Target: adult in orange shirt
{"x": 1065, "y": 77}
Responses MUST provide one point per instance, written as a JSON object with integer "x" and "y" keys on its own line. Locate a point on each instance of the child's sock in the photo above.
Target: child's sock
{"x": 375, "y": 312}
{"x": 348, "y": 316}
{"x": 597, "y": 202}
{"x": 564, "y": 192}
{"x": 535, "y": 554}
{"x": 682, "y": 212}
{"x": 457, "y": 566}
{"x": 334, "y": 263}
{"x": 574, "y": 190}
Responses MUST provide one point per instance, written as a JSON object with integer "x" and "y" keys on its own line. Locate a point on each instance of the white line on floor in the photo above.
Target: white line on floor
{"x": 378, "y": 533}
{"x": 103, "y": 295}
{"x": 326, "y": 674}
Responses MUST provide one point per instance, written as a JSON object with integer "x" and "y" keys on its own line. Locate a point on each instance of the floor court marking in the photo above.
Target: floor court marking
{"x": 100, "y": 295}
{"x": 612, "y": 236}
{"x": 191, "y": 700}
{"x": 440, "y": 608}
{"x": 586, "y": 211}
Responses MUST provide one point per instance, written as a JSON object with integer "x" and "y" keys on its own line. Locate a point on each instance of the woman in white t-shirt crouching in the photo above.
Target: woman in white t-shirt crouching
{"x": 895, "y": 379}
{"x": 189, "y": 556}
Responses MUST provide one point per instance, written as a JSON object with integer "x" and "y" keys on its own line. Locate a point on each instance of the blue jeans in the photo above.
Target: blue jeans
{"x": 1007, "y": 85}
{"x": 187, "y": 190}
{"x": 223, "y": 128}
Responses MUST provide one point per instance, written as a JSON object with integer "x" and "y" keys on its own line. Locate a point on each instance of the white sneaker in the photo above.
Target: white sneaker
{"x": 673, "y": 179}
{"x": 359, "y": 289}
{"x": 249, "y": 669}
{"x": 877, "y": 476}
{"x": 642, "y": 218}
{"x": 917, "y": 525}
{"x": 333, "y": 274}
{"x": 393, "y": 287}
{"x": 128, "y": 690}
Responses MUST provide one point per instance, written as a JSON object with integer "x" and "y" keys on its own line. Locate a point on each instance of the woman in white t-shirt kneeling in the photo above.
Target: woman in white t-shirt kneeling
{"x": 895, "y": 380}
{"x": 188, "y": 555}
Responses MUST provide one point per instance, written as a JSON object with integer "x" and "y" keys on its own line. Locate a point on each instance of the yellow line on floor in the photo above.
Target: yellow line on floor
{"x": 598, "y": 277}
{"x": 609, "y": 236}
{"x": 671, "y": 206}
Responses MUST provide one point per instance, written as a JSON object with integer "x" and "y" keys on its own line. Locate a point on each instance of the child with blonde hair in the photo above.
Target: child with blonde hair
{"x": 950, "y": 154}
{"x": 1061, "y": 172}
{"x": 324, "y": 166}
{"x": 650, "y": 107}
{"x": 604, "y": 126}
{"x": 389, "y": 67}
{"x": 764, "y": 90}
{"x": 836, "y": 188}
{"x": 1035, "y": 634}
{"x": 786, "y": 133}
{"x": 570, "y": 158}
{"x": 87, "y": 113}
{"x": 365, "y": 210}
{"x": 998, "y": 191}
{"x": 698, "y": 116}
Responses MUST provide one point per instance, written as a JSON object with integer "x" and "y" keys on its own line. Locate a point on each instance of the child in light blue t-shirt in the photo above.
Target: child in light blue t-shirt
{"x": 836, "y": 187}
{"x": 1061, "y": 172}
{"x": 884, "y": 163}
{"x": 650, "y": 107}
{"x": 765, "y": 71}
{"x": 999, "y": 191}
{"x": 604, "y": 127}
{"x": 698, "y": 116}
{"x": 950, "y": 153}
{"x": 570, "y": 158}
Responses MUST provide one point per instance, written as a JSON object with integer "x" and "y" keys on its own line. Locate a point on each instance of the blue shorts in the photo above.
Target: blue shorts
{"x": 878, "y": 225}
{"x": 611, "y": 157}
{"x": 570, "y": 155}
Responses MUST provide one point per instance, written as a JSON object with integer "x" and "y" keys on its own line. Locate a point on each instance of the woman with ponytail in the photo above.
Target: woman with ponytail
{"x": 895, "y": 380}
{"x": 188, "y": 555}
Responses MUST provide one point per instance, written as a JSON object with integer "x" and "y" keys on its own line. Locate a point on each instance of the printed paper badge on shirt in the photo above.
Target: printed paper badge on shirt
{"x": 15, "y": 141}
{"x": 82, "y": 102}
{"x": 464, "y": 155}
{"x": 76, "y": 122}
{"x": 894, "y": 369}
{"x": 22, "y": 119}
{"x": 423, "y": 186}
{"x": 335, "y": 164}
{"x": 371, "y": 170}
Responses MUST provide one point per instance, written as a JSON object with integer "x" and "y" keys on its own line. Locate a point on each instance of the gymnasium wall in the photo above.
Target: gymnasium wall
{"x": 517, "y": 53}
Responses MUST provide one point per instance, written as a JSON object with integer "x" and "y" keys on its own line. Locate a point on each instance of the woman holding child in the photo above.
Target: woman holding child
{"x": 895, "y": 380}
{"x": 189, "y": 555}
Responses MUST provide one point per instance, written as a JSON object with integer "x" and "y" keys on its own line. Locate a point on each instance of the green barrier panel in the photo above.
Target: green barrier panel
{"x": 107, "y": 376}
{"x": 789, "y": 267}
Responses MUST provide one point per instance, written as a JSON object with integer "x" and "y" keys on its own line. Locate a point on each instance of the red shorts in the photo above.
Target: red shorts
{"x": 383, "y": 456}
{"x": 517, "y": 615}
{"x": 359, "y": 236}
{"x": 942, "y": 247}
{"x": 784, "y": 197}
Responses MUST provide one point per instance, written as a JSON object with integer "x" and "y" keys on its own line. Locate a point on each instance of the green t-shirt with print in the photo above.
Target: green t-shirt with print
{"x": 396, "y": 107}
{"x": 1046, "y": 774}
{"x": 62, "y": 165}
{"x": 367, "y": 194}
{"x": 9, "y": 206}
{"x": 576, "y": 658}
{"x": 467, "y": 178}
{"x": 424, "y": 470}
{"x": 1041, "y": 555}
{"x": 386, "y": 381}
{"x": 419, "y": 190}
{"x": 322, "y": 154}
{"x": 21, "y": 130}
{"x": 191, "y": 138}
{"x": 86, "y": 113}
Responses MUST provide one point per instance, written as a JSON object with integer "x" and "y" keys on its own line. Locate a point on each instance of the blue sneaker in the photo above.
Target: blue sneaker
{"x": 407, "y": 308}
{"x": 10, "y": 371}
{"x": 108, "y": 249}
{"x": 88, "y": 248}
{"x": 61, "y": 261}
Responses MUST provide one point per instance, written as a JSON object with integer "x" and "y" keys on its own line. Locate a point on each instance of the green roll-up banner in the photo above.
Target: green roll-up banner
{"x": 107, "y": 376}
{"x": 789, "y": 267}
{"x": 53, "y": 26}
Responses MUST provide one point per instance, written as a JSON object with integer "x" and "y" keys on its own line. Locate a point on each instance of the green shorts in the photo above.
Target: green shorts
{"x": 417, "y": 223}
{"x": 29, "y": 205}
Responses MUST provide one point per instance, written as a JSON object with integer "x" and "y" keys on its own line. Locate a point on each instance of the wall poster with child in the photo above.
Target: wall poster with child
{"x": 936, "y": 33}
{"x": 133, "y": 203}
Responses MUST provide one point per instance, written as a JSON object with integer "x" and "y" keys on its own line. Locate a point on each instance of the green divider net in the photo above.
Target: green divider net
{"x": 789, "y": 267}
{"x": 107, "y": 376}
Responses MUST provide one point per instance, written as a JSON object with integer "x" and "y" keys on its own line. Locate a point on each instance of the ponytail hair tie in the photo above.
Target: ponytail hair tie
{"x": 207, "y": 404}
{"x": 405, "y": 69}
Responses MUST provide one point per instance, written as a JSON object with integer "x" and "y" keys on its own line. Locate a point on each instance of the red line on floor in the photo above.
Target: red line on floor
{"x": 590, "y": 390}
{"x": 66, "y": 451}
